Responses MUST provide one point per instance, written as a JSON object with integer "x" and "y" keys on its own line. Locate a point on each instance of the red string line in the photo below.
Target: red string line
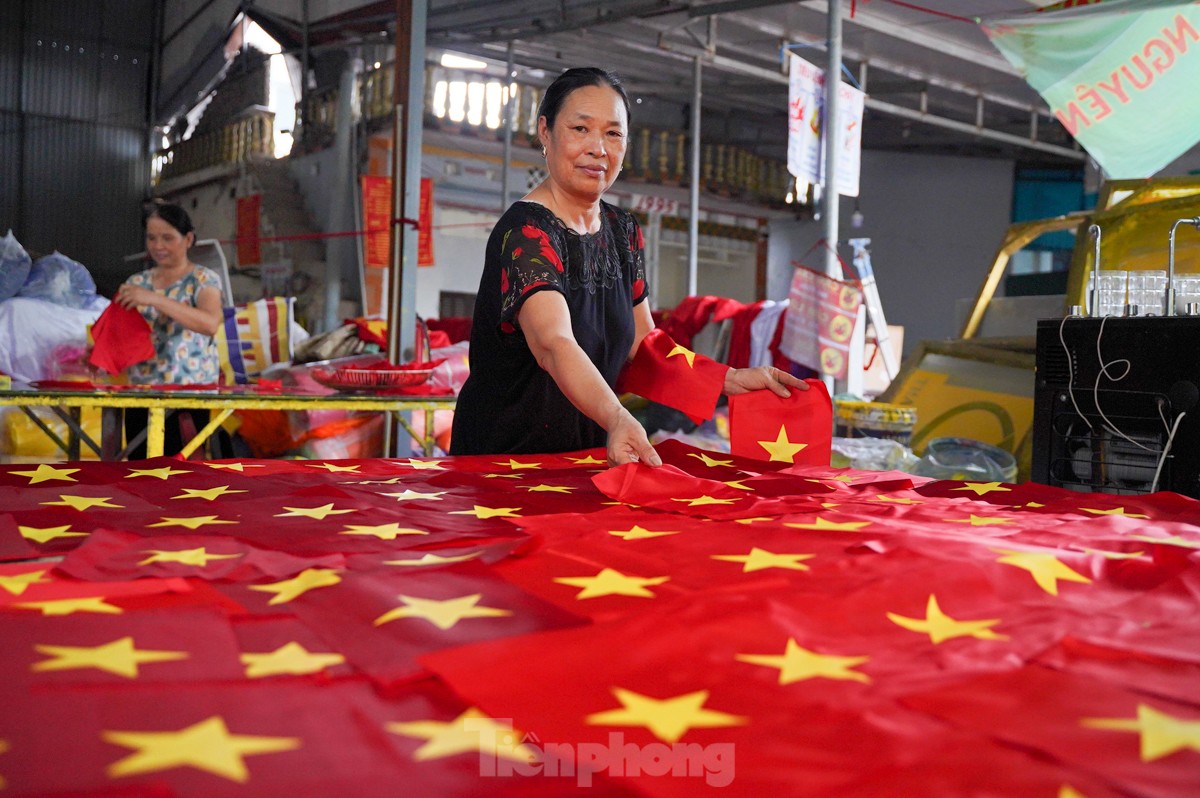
{"x": 936, "y": 13}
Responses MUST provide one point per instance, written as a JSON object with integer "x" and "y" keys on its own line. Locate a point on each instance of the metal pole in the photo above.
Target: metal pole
{"x": 506, "y": 116}
{"x": 694, "y": 185}
{"x": 830, "y": 196}
{"x": 340, "y": 252}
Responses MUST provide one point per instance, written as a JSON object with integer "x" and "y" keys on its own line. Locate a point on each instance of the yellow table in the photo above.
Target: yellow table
{"x": 222, "y": 402}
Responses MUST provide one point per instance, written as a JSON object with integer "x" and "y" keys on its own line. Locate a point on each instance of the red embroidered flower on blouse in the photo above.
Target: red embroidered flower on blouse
{"x": 542, "y": 241}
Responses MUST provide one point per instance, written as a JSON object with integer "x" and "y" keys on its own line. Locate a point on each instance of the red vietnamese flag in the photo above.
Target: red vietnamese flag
{"x": 797, "y": 430}
{"x": 673, "y": 375}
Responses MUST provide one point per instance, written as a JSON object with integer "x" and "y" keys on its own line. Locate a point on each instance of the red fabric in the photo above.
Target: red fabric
{"x": 121, "y": 337}
{"x": 456, "y": 328}
{"x": 770, "y": 427}
{"x": 740, "y": 337}
{"x": 661, "y": 372}
{"x": 693, "y": 312}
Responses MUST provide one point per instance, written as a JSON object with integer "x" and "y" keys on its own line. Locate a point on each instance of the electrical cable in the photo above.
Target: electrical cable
{"x": 1071, "y": 373}
{"x": 1166, "y": 450}
{"x": 1103, "y": 372}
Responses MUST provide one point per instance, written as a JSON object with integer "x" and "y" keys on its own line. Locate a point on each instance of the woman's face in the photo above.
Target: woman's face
{"x": 166, "y": 245}
{"x": 586, "y": 146}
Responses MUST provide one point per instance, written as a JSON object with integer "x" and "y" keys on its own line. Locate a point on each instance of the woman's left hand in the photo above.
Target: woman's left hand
{"x": 775, "y": 380}
{"x": 131, "y": 296}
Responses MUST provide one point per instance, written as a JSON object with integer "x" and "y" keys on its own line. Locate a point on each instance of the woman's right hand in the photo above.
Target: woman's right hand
{"x": 627, "y": 442}
{"x": 131, "y": 296}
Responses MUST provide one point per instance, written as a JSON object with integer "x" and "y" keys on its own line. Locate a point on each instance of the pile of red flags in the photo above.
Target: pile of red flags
{"x": 543, "y": 626}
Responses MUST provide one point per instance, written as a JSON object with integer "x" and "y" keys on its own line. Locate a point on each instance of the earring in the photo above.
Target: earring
{"x": 543, "y": 150}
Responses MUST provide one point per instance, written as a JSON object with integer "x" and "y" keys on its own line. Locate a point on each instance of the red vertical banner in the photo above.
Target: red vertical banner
{"x": 425, "y": 224}
{"x": 249, "y": 251}
{"x": 377, "y": 246}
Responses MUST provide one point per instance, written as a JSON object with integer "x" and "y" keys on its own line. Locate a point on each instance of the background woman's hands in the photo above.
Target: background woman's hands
{"x": 775, "y": 380}
{"x": 131, "y": 296}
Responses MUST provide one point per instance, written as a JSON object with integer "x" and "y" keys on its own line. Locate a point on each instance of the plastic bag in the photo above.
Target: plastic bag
{"x": 967, "y": 459}
{"x": 14, "y": 266}
{"x": 58, "y": 279}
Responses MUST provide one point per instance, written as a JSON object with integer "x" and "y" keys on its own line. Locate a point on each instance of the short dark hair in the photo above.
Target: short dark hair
{"x": 173, "y": 215}
{"x": 577, "y": 78}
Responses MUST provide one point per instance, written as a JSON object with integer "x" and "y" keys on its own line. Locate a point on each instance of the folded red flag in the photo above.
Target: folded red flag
{"x": 665, "y": 372}
{"x": 121, "y": 338}
{"x": 797, "y": 430}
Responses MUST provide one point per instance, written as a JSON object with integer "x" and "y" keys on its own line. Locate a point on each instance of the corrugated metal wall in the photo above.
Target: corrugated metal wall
{"x": 74, "y": 166}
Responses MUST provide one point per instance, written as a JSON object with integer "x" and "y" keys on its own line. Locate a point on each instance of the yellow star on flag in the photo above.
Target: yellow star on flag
{"x": 609, "y": 582}
{"x": 191, "y": 522}
{"x": 1045, "y": 568}
{"x": 423, "y": 465}
{"x": 488, "y": 512}
{"x": 382, "y": 531}
{"x": 442, "y": 613}
{"x": 166, "y": 472}
{"x": 639, "y": 533}
{"x": 820, "y": 524}
{"x": 845, "y": 479}
{"x": 941, "y": 627}
{"x": 752, "y": 519}
{"x": 979, "y": 520}
{"x": 548, "y": 488}
{"x": 16, "y": 584}
{"x": 119, "y": 657}
{"x": 781, "y": 449}
{"x": 71, "y": 606}
{"x": 429, "y": 558}
{"x": 472, "y": 732}
{"x": 761, "y": 559}
{"x": 589, "y": 460}
{"x": 883, "y": 497}
{"x": 208, "y": 494}
{"x": 1034, "y": 505}
{"x": 83, "y": 503}
{"x": 700, "y": 501}
{"x": 290, "y": 659}
{"x": 798, "y": 664}
{"x": 1116, "y": 555}
{"x": 501, "y": 476}
{"x": 1173, "y": 540}
{"x": 315, "y": 513}
{"x": 406, "y": 495}
{"x": 207, "y": 745}
{"x": 668, "y": 719}
{"x": 711, "y": 462}
{"x": 45, "y": 473}
{"x": 517, "y": 466}
{"x": 298, "y": 585}
{"x": 388, "y": 481}
{"x": 983, "y": 488}
{"x": 336, "y": 469}
{"x": 686, "y": 353}
{"x": 1161, "y": 734}
{"x": 239, "y": 467}
{"x": 198, "y": 557}
{"x": 1113, "y": 511}
{"x": 46, "y": 534}
{"x": 736, "y": 484}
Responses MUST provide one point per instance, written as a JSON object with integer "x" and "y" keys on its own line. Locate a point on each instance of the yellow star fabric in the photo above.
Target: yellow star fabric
{"x": 548, "y": 488}
{"x": 501, "y": 476}
{"x": 57, "y": 607}
{"x": 298, "y": 585}
{"x": 781, "y": 449}
{"x": 589, "y": 460}
{"x": 382, "y": 531}
{"x": 883, "y": 497}
{"x": 797, "y": 664}
{"x": 48, "y": 533}
{"x": 1173, "y": 540}
{"x": 736, "y": 484}
{"x": 191, "y": 522}
{"x": 442, "y": 613}
{"x": 517, "y": 466}
{"x": 119, "y": 657}
{"x": 820, "y": 524}
{"x": 239, "y": 467}
{"x": 315, "y": 513}
{"x": 166, "y": 472}
{"x": 406, "y": 495}
{"x": 701, "y": 501}
{"x": 1045, "y": 568}
{"x": 711, "y": 462}
{"x": 979, "y": 520}
{"x": 685, "y": 353}
{"x": 290, "y": 659}
{"x": 488, "y": 512}
{"x": 609, "y": 582}
{"x": 45, "y": 473}
{"x": 198, "y": 557}
{"x": 1161, "y": 734}
{"x": 336, "y": 469}
{"x": 208, "y": 494}
{"x": 472, "y": 732}
{"x": 16, "y": 584}
{"x": 761, "y": 559}
{"x": 83, "y": 503}
{"x": 668, "y": 719}
{"x": 423, "y": 465}
{"x": 429, "y": 558}
{"x": 983, "y": 488}
{"x": 640, "y": 533}
{"x": 1113, "y": 511}
{"x": 941, "y": 627}
{"x": 207, "y": 745}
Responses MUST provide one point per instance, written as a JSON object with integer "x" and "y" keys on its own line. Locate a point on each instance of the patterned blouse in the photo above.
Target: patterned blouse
{"x": 182, "y": 357}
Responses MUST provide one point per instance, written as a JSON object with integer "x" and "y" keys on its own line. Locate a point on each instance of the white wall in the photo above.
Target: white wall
{"x": 934, "y": 222}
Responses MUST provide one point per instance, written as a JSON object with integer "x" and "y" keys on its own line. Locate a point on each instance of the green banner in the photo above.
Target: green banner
{"x": 1118, "y": 74}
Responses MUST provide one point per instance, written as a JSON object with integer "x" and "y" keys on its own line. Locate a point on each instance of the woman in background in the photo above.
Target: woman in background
{"x": 182, "y": 303}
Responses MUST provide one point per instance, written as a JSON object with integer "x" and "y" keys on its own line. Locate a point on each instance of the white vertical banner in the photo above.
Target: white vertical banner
{"x": 806, "y": 91}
